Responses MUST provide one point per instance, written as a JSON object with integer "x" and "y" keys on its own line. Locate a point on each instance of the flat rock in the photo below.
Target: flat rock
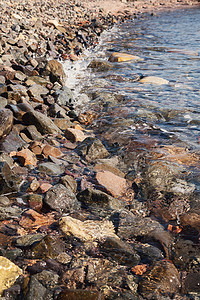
{"x": 9, "y": 272}
{"x": 154, "y": 80}
{"x": 80, "y": 294}
{"x": 121, "y": 57}
{"x": 10, "y": 212}
{"x": 50, "y": 168}
{"x": 29, "y": 239}
{"x": 43, "y": 124}
{"x": 52, "y": 151}
{"x": 87, "y": 230}
{"x": 112, "y": 183}
{"x": 26, "y": 157}
{"x": 61, "y": 198}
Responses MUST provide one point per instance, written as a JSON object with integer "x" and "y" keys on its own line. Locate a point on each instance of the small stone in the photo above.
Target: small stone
{"x": 6, "y": 122}
{"x": 80, "y": 294}
{"x": 32, "y": 132}
{"x": 29, "y": 239}
{"x": 44, "y": 187}
{"x": 154, "y": 80}
{"x": 56, "y": 72}
{"x": 9, "y": 272}
{"x": 69, "y": 182}
{"x": 26, "y": 157}
{"x": 92, "y": 149}
{"x": 34, "y": 185}
{"x": 63, "y": 124}
{"x": 9, "y": 180}
{"x": 35, "y": 201}
{"x": 121, "y": 57}
{"x": 100, "y": 65}
{"x": 36, "y": 290}
{"x": 64, "y": 258}
{"x": 74, "y": 135}
{"x": 52, "y": 151}
{"x": 50, "y": 168}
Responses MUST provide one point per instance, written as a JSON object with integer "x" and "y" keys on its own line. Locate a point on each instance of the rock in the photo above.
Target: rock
{"x": 3, "y": 102}
{"x": 9, "y": 181}
{"x": 40, "y": 81}
{"x": 35, "y": 201}
{"x": 26, "y": 157}
{"x": 32, "y": 133}
{"x": 120, "y": 57}
{"x": 74, "y": 135}
{"x": 190, "y": 219}
{"x": 28, "y": 240}
{"x": 55, "y": 70}
{"x": 61, "y": 198}
{"x": 43, "y": 124}
{"x": 36, "y": 91}
{"x": 162, "y": 278}
{"x": 87, "y": 230}
{"x": 48, "y": 279}
{"x": 50, "y": 168}
{"x": 154, "y": 80}
{"x": 6, "y": 122}
{"x": 192, "y": 283}
{"x": 12, "y": 142}
{"x": 69, "y": 182}
{"x": 112, "y": 183}
{"x": 10, "y": 213}
{"x": 9, "y": 272}
{"x": 63, "y": 124}
{"x": 100, "y": 65}
{"x": 99, "y": 199}
{"x": 92, "y": 149}
{"x": 119, "y": 251}
{"x": 52, "y": 151}
{"x": 108, "y": 167}
{"x": 57, "y": 111}
{"x": 36, "y": 290}
{"x": 65, "y": 97}
{"x": 80, "y": 295}
{"x": 44, "y": 187}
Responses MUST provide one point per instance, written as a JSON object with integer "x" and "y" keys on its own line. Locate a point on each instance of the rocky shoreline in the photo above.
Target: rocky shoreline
{"x": 71, "y": 223}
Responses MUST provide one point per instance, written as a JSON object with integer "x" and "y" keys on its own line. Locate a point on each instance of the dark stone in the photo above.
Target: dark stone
{"x": 29, "y": 239}
{"x": 36, "y": 290}
{"x": 61, "y": 198}
{"x": 10, "y": 212}
{"x": 43, "y": 124}
{"x": 12, "y": 142}
{"x": 100, "y": 65}
{"x": 92, "y": 149}
{"x": 80, "y": 295}
{"x": 48, "y": 278}
{"x": 192, "y": 283}
{"x": 32, "y": 133}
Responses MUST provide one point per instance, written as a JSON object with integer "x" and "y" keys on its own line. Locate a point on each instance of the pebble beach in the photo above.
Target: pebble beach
{"x": 71, "y": 225}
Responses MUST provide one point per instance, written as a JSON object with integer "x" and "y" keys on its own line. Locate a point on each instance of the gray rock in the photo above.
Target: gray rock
{"x": 12, "y": 142}
{"x": 48, "y": 278}
{"x": 43, "y": 124}
{"x": 4, "y": 201}
{"x": 50, "y": 168}
{"x": 55, "y": 71}
{"x": 6, "y": 122}
{"x": 10, "y": 212}
{"x": 61, "y": 198}
{"x": 36, "y": 91}
{"x": 92, "y": 149}
{"x": 29, "y": 239}
{"x": 32, "y": 133}
{"x": 3, "y": 102}
{"x": 65, "y": 97}
{"x": 36, "y": 290}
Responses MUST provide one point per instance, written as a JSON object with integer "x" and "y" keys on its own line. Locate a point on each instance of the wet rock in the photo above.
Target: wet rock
{"x": 49, "y": 247}
{"x": 162, "y": 278}
{"x": 40, "y": 81}
{"x": 87, "y": 230}
{"x": 50, "y": 168}
{"x": 92, "y": 149}
{"x": 4, "y": 201}
{"x": 100, "y": 65}
{"x": 43, "y": 124}
{"x": 74, "y": 135}
{"x": 154, "y": 80}
{"x": 80, "y": 295}
{"x": 119, "y": 251}
{"x": 9, "y": 181}
{"x": 9, "y": 273}
{"x": 192, "y": 283}
{"x": 36, "y": 91}
{"x": 112, "y": 183}
{"x": 29, "y": 239}
{"x": 6, "y": 122}
{"x": 36, "y": 290}
{"x": 99, "y": 199}
{"x": 65, "y": 97}
{"x": 69, "y": 182}
{"x": 48, "y": 279}
{"x": 106, "y": 166}
{"x": 57, "y": 111}
{"x": 120, "y": 57}
{"x": 55, "y": 70}
{"x": 26, "y": 157}
{"x": 61, "y": 198}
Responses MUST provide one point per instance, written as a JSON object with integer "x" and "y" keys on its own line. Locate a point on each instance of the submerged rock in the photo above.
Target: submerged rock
{"x": 154, "y": 80}
{"x": 120, "y": 57}
{"x": 92, "y": 149}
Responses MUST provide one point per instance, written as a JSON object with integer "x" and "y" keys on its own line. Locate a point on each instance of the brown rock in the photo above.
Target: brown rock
{"x": 44, "y": 187}
{"x": 26, "y": 157}
{"x": 74, "y": 135}
{"x": 113, "y": 184}
{"x": 6, "y": 122}
{"x": 50, "y": 150}
{"x": 120, "y": 57}
{"x": 56, "y": 72}
{"x": 80, "y": 295}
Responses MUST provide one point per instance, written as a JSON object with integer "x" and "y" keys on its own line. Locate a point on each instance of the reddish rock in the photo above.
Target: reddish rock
{"x": 112, "y": 183}
{"x": 50, "y": 150}
{"x": 37, "y": 147}
{"x": 44, "y": 187}
{"x": 26, "y": 157}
